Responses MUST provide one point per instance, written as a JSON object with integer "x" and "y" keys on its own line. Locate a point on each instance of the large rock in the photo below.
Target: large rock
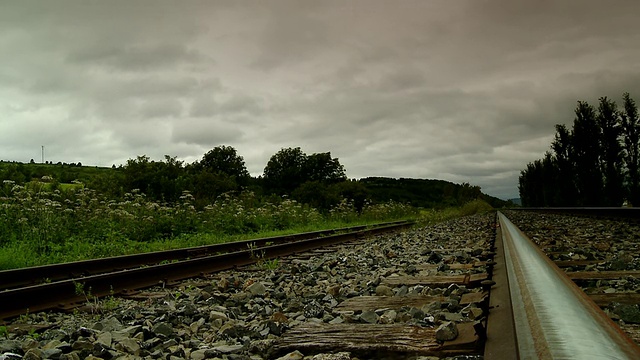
{"x": 338, "y": 356}
{"x": 369, "y": 316}
{"x": 33, "y": 354}
{"x": 108, "y": 324}
{"x": 447, "y": 331}
{"x": 163, "y": 329}
{"x": 10, "y": 346}
{"x": 257, "y": 289}
{"x": 129, "y": 346}
{"x": 627, "y": 313}
{"x": 296, "y": 355}
{"x": 383, "y": 290}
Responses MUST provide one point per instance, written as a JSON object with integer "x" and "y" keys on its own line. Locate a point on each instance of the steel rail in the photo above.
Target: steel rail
{"x": 500, "y": 335}
{"x": 611, "y": 212}
{"x": 49, "y": 273}
{"x": 19, "y": 301}
{"x": 553, "y": 318}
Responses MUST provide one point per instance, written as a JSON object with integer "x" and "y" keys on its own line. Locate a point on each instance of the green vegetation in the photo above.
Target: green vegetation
{"x": 67, "y": 212}
{"x": 433, "y": 216}
{"x": 426, "y": 193}
{"x": 596, "y": 163}
{"x": 49, "y": 227}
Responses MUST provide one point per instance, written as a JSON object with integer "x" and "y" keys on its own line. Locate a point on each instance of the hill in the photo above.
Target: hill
{"x": 426, "y": 193}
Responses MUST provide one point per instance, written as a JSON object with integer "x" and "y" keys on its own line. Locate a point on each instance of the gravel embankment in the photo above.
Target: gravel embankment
{"x": 242, "y": 314}
{"x": 611, "y": 244}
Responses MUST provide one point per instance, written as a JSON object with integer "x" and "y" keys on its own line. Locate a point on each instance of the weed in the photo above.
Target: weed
{"x": 24, "y": 318}
{"x": 4, "y": 332}
{"x": 110, "y": 302}
{"x": 33, "y": 334}
{"x": 78, "y": 223}
{"x": 270, "y": 264}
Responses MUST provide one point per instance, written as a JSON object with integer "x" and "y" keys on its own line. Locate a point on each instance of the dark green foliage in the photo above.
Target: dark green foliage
{"x": 316, "y": 180}
{"x": 285, "y": 171}
{"x": 290, "y": 168}
{"x": 157, "y": 179}
{"x": 323, "y": 168}
{"x": 317, "y": 194}
{"x": 224, "y": 159}
{"x": 610, "y": 152}
{"x": 425, "y": 193}
{"x": 586, "y": 151}
{"x": 589, "y": 162}
{"x": 630, "y": 123}
{"x": 354, "y": 191}
{"x": 564, "y": 183}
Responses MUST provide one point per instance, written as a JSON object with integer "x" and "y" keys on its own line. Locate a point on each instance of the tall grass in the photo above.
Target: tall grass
{"x": 432, "y": 216}
{"x": 38, "y": 226}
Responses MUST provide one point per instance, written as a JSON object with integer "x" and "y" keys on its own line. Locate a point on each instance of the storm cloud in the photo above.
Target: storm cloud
{"x": 465, "y": 91}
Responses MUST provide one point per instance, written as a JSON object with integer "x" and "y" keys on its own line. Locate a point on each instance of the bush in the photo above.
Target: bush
{"x": 475, "y": 207}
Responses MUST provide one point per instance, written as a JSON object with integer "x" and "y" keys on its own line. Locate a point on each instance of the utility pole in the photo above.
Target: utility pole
{"x": 43, "y": 154}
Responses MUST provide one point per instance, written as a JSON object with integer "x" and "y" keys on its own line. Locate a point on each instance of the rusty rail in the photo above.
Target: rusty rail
{"x": 19, "y": 301}
{"x": 56, "y": 272}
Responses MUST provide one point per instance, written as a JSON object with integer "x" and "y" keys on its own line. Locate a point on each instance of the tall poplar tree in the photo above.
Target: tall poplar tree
{"x": 586, "y": 151}
{"x": 631, "y": 138}
{"x": 611, "y": 165}
{"x": 565, "y": 182}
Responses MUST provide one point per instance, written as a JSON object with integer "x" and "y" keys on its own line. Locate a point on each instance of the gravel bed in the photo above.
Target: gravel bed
{"x": 242, "y": 314}
{"x": 613, "y": 244}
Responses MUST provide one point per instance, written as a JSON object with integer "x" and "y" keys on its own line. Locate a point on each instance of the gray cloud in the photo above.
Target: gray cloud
{"x": 460, "y": 91}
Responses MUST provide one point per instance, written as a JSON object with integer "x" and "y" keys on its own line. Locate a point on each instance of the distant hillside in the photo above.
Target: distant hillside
{"x": 426, "y": 193}
{"x": 516, "y": 201}
{"x": 113, "y": 181}
{"x": 61, "y": 172}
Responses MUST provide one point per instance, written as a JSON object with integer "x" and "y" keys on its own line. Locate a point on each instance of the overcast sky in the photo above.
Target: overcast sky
{"x": 464, "y": 91}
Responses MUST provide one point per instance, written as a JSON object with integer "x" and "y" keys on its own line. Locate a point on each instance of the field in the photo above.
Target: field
{"x": 38, "y": 226}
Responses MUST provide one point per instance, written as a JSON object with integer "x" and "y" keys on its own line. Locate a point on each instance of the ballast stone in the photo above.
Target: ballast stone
{"x": 447, "y": 331}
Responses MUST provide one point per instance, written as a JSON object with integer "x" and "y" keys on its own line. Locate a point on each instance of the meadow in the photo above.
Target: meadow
{"x": 41, "y": 226}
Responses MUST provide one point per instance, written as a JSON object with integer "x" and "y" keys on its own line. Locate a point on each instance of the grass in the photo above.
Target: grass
{"x": 39, "y": 227}
{"x": 432, "y": 216}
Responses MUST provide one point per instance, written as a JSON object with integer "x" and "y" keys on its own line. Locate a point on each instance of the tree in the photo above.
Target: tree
{"x": 630, "y": 128}
{"x": 317, "y": 194}
{"x": 158, "y": 180}
{"x": 224, "y": 159}
{"x": 354, "y": 191}
{"x": 586, "y": 151}
{"x": 289, "y": 168}
{"x": 611, "y": 152}
{"x": 561, "y": 146}
{"x": 285, "y": 170}
{"x": 468, "y": 192}
{"x": 530, "y": 184}
{"x": 322, "y": 167}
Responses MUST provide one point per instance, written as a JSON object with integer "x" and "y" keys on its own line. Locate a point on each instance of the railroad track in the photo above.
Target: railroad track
{"x": 64, "y": 285}
{"x": 492, "y": 293}
{"x": 550, "y": 315}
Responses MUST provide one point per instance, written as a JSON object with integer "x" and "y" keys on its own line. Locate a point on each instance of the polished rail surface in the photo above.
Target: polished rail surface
{"x": 553, "y": 318}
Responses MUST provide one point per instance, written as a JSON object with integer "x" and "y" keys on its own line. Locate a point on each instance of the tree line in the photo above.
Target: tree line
{"x": 318, "y": 180}
{"x": 595, "y": 163}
